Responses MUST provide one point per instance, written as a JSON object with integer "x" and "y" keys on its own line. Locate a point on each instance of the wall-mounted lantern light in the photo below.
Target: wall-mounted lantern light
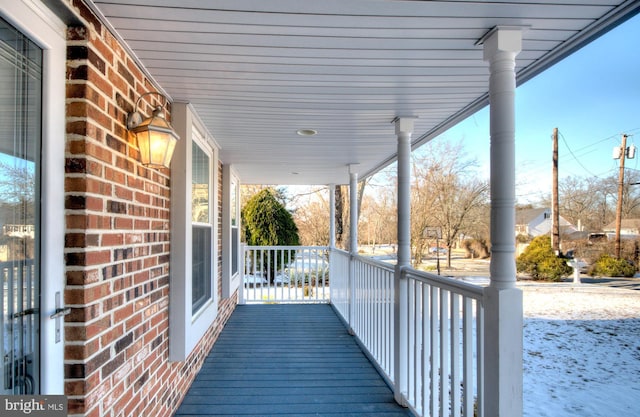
{"x": 156, "y": 138}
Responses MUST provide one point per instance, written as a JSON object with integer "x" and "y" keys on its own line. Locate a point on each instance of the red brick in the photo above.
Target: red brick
{"x": 97, "y": 327}
{"x": 111, "y": 336}
{"x": 99, "y": 152}
{"x": 94, "y": 203}
{"x": 97, "y": 258}
{"x": 103, "y": 50}
{"x": 142, "y": 224}
{"x": 123, "y": 223}
{"x": 94, "y": 168}
{"x": 123, "y": 313}
{"x": 124, "y": 193}
{"x": 116, "y": 176}
{"x": 95, "y": 186}
{"x": 142, "y": 198}
{"x": 112, "y": 239}
{"x": 100, "y": 83}
{"x": 94, "y": 221}
{"x": 117, "y": 81}
{"x": 75, "y": 184}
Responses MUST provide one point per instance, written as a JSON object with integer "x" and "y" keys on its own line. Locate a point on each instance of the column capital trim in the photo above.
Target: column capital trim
{"x": 502, "y": 39}
{"x": 502, "y": 28}
{"x": 404, "y": 124}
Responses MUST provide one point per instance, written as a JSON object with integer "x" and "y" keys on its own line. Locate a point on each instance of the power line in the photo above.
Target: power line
{"x": 538, "y": 193}
{"x": 575, "y": 157}
{"x": 613, "y": 137}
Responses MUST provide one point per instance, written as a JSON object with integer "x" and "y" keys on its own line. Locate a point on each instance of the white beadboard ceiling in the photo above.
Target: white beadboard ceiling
{"x": 258, "y": 70}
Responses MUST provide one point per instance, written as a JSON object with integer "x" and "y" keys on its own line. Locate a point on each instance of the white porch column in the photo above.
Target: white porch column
{"x": 332, "y": 216}
{"x": 353, "y": 242}
{"x": 503, "y": 301}
{"x": 353, "y": 210}
{"x": 404, "y": 129}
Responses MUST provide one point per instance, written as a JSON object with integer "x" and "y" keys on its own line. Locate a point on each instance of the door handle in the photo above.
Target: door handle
{"x": 60, "y": 312}
{"x": 58, "y": 315}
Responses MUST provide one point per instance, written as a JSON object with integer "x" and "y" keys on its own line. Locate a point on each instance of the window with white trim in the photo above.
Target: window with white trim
{"x": 194, "y": 214}
{"x": 201, "y": 228}
{"x": 235, "y": 224}
{"x": 230, "y": 231}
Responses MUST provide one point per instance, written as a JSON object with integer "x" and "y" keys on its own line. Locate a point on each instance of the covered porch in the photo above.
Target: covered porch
{"x": 334, "y": 332}
{"x": 143, "y": 261}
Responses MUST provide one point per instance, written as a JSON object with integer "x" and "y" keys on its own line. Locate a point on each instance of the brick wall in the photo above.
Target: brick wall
{"x": 117, "y": 242}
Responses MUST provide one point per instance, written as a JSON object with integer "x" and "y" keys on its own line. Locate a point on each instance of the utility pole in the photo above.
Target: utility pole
{"x": 621, "y": 153}
{"x": 555, "y": 205}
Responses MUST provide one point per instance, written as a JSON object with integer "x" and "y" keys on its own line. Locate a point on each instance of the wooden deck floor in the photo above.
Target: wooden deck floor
{"x": 296, "y": 360}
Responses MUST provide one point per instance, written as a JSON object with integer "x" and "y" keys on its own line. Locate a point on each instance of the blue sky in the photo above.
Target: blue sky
{"x": 592, "y": 97}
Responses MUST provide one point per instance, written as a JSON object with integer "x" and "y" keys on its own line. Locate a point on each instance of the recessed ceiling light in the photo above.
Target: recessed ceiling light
{"x": 307, "y": 132}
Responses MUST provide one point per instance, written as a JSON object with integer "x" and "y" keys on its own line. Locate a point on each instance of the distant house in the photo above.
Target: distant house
{"x": 629, "y": 228}
{"x": 537, "y": 222}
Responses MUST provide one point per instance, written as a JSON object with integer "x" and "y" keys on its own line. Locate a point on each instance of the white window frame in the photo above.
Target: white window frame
{"x": 45, "y": 29}
{"x": 187, "y": 327}
{"x": 231, "y": 186}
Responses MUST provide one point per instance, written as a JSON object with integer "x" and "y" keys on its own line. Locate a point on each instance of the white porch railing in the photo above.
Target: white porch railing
{"x": 444, "y": 371}
{"x": 366, "y": 303}
{"x": 285, "y": 274}
{"x": 434, "y": 358}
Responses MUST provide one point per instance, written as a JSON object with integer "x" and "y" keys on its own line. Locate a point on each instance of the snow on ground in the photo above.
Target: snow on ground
{"x": 581, "y": 351}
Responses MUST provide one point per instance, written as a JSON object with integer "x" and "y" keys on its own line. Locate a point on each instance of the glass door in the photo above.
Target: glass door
{"x": 20, "y": 143}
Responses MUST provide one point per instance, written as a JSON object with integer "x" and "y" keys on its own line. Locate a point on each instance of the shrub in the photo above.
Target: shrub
{"x": 476, "y": 248}
{"x": 609, "y": 266}
{"x": 539, "y": 261}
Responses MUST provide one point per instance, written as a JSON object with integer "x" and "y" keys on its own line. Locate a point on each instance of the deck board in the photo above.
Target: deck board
{"x": 296, "y": 360}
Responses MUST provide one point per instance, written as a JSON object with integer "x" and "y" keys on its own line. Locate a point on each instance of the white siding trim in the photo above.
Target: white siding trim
{"x": 186, "y": 328}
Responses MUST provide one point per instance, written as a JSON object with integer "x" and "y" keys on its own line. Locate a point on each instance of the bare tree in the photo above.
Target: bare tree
{"x": 422, "y": 206}
{"x": 313, "y": 224}
{"x": 631, "y": 195}
{"x": 313, "y": 220}
{"x": 591, "y": 202}
{"x": 579, "y": 201}
{"x": 378, "y": 219}
{"x": 17, "y": 184}
{"x": 339, "y": 215}
{"x": 447, "y": 195}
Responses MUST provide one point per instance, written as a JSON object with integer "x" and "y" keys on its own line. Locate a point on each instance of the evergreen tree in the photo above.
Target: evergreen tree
{"x": 266, "y": 222}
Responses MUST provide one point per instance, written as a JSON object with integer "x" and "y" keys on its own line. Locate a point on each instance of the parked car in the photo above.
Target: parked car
{"x": 439, "y": 250}
{"x": 303, "y": 271}
{"x": 254, "y": 280}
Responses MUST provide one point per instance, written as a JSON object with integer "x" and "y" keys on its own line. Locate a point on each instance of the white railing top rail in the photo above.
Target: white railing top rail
{"x": 454, "y": 285}
{"x": 463, "y": 288}
{"x": 341, "y": 251}
{"x": 374, "y": 262}
{"x": 287, "y": 247}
